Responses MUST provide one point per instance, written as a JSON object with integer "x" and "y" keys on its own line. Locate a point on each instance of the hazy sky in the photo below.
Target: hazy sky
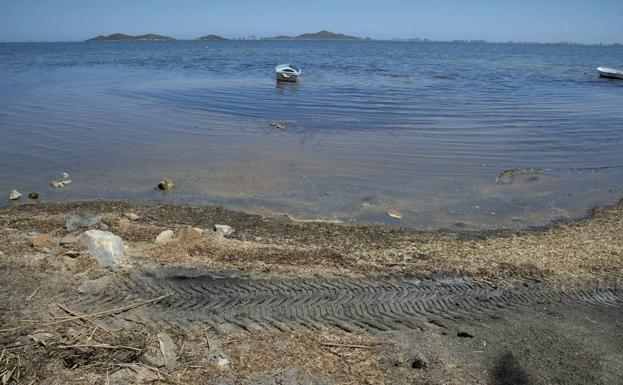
{"x": 495, "y": 20}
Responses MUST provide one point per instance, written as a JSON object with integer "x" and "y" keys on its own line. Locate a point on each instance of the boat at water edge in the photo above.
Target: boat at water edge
{"x": 610, "y": 73}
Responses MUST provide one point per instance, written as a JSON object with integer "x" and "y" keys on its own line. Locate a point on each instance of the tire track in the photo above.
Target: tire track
{"x": 241, "y": 303}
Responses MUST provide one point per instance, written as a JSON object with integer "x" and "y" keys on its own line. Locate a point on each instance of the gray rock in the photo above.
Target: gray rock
{"x": 33, "y": 195}
{"x": 14, "y": 195}
{"x": 166, "y": 185}
{"x": 224, "y": 229}
{"x": 132, "y": 216}
{"x": 81, "y": 219}
{"x": 420, "y": 362}
{"x": 189, "y": 235}
{"x": 105, "y": 246}
{"x": 168, "y": 348}
{"x": 164, "y": 237}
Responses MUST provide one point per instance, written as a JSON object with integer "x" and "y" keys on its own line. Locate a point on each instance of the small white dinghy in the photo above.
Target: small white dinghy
{"x": 610, "y": 73}
{"x": 287, "y": 72}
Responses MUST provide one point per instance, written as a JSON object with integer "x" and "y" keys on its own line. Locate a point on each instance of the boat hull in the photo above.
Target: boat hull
{"x": 610, "y": 73}
{"x": 290, "y": 77}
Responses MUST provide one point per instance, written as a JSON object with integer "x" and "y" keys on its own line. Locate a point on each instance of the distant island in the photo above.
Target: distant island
{"x": 322, "y": 35}
{"x": 124, "y": 37}
{"x": 211, "y": 38}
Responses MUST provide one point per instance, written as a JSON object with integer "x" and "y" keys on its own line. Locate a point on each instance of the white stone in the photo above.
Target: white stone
{"x": 164, "y": 237}
{"x": 14, "y": 195}
{"x": 105, "y": 246}
{"x": 224, "y": 229}
{"x": 131, "y": 216}
{"x": 60, "y": 184}
{"x": 65, "y": 175}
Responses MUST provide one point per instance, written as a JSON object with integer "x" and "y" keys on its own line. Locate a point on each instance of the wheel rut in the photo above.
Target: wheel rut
{"x": 241, "y": 303}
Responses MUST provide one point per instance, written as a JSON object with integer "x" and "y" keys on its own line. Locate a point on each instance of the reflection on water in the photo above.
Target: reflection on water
{"x": 423, "y": 129}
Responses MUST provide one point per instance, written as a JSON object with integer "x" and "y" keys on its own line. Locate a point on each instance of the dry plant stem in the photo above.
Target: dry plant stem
{"x": 98, "y": 326}
{"x": 331, "y": 344}
{"x": 117, "y": 347}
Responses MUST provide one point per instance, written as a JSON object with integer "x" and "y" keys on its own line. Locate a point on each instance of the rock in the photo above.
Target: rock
{"x": 189, "y": 234}
{"x": 168, "y": 348}
{"x": 124, "y": 222}
{"x": 65, "y": 175}
{"x": 14, "y": 195}
{"x": 44, "y": 240}
{"x": 394, "y": 214}
{"x": 125, "y": 376}
{"x": 72, "y": 254}
{"x": 166, "y": 185}
{"x": 131, "y": 216}
{"x": 419, "y": 362}
{"x": 81, "y": 219}
{"x": 33, "y": 196}
{"x": 465, "y": 333}
{"x": 60, "y": 184}
{"x": 164, "y": 237}
{"x": 105, "y": 246}
{"x": 68, "y": 240}
{"x": 224, "y": 229}
{"x": 41, "y": 337}
{"x": 276, "y": 125}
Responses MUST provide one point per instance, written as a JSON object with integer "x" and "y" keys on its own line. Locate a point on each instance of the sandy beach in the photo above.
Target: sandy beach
{"x": 284, "y": 302}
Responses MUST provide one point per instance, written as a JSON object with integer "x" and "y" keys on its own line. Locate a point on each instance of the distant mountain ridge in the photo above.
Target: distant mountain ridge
{"x": 124, "y": 37}
{"x": 322, "y": 35}
{"x": 212, "y": 37}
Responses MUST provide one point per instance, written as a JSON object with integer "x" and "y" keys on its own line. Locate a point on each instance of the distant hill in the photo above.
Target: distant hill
{"x": 322, "y": 35}
{"x": 211, "y": 37}
{"x": 123, "y": 37}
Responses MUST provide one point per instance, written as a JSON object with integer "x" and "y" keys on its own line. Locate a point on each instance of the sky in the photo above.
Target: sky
{"x": 582, "y": 21}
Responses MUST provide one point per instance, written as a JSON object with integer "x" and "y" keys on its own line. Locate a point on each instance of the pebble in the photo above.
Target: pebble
{"x": 72, "y": 254}
{"x": 164, "y": 237}
{"x": 44, "y": 240}
{"x": 105, "y": 246}
{"x": 166, "y": 185}
{"x": 33, "y": 195}
{"x": 419, "y": 362}
{"x": 131, "y": 216}
{"x": 14, "y": 195}
{"x": 189, "y": 234}
{"x": 224, "y": 229}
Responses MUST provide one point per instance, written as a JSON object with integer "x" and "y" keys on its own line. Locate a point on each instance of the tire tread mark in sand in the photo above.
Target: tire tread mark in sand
{"x": 349, "y": 305}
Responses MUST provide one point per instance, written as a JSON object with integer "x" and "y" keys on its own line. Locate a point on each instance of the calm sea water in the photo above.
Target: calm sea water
{"x": 421, "y": 128}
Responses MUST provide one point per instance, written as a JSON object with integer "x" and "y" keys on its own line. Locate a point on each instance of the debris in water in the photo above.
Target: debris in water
{"x": 166, "y": 185}
{"x": 60, "y": 184}
{"x": 507, "y": 175}
{"x": 276, "y": 125}
{"x": 394, "y": 214}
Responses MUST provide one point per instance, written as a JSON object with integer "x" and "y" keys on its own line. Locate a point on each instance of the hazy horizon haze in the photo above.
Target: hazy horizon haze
{"x": 496, "y": 21}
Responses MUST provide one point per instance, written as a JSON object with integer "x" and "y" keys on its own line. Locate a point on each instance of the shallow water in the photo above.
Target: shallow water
{"x": 422, "y": 128}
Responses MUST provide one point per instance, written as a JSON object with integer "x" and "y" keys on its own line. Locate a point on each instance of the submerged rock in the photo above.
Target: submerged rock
{"x": 81, "y": 219}
{"x": 33, "y": 196}
{"x": 60, "y": 184}
{"x": 105, "y": 246}
{"x": 277, "y": 125}
{"x": 166, "y": 185}
{"x": 14, "y": 195}
{"x": 224, "y": 229}
{"x": 164, "y": 237}
{"x": 507, "y": 175}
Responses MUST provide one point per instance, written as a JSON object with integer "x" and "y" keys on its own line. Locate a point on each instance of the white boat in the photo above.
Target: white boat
{"x": 609, "y": 73}
{"x": 287, "y": 72}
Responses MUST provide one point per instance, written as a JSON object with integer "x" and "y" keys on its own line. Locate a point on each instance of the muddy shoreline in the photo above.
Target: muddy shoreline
{"x": 285, "y": 302}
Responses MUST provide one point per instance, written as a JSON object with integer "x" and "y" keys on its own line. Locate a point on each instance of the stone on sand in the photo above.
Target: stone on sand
{"x": 224, "y": 229}
{"x": 105, "y": 246}
{"x": 131, "y": 216}
{"x": 166, "y": 185}
{"x": 14, "y": 195}
{"x": 44, "y": 240}
{"x": 164, "y": 237}
{"x": 189, "y": 234}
